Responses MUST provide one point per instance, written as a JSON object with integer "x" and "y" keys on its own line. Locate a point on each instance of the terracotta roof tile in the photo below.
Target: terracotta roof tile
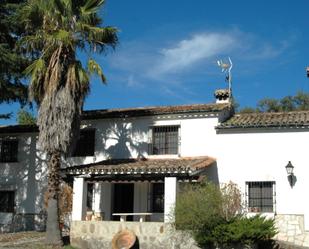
{"x": 128, "y": 112}
{"x": 156, "y": 110}
{"x": 142, "y": 166}
{"x": 270, "y": 119}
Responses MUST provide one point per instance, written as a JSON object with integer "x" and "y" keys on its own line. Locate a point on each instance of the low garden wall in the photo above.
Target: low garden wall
{"x": 99, "y": 234}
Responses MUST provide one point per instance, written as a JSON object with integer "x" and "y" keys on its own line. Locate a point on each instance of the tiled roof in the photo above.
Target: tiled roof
{"x": 18, "y": 128}
{"x": 270, "y": 119}
{"x": 127, "y": 112}
{"x": 156, "y": 110}
{"x": 179, "y": 166}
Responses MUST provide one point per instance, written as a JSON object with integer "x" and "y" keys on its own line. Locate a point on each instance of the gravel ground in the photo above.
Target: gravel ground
{"x": 25, "y": 240}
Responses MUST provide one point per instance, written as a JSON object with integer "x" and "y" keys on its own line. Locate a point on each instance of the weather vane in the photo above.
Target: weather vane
{"x": 226, "y": 67}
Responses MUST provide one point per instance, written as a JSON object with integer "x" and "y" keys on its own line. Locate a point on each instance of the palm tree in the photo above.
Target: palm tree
{"x": 55, "y": 31}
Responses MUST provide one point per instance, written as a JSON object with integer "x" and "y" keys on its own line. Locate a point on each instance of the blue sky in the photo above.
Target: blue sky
{"x": 168, "y": 51}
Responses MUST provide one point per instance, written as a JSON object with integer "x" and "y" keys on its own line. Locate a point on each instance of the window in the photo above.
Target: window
{"x": 89, "y": 196}
{"x": 164, "y": 140}
{"x": 7, "y": 200}
{"x": 85, "y": 144}
{"x": 261, "y": 196}
{"x": 158, "y": 197}
{"x": 8, "y": 150}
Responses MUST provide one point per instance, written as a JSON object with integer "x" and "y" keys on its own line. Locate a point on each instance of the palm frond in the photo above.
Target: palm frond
{"x": 91, "y": 6}
{"x": 53, "y": 75}
{"x": 59, "y": 5}
{"x": 98, "y": 37}
{"x": 82, "y": 74}
{"x": 37, "y": 67}
{"x": 37, "y": 73}
{"x": 63, "y": 37}
{"x": 94, "y": 68}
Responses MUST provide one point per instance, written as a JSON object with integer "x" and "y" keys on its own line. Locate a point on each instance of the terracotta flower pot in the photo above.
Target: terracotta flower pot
{"x": 124, "y": 239}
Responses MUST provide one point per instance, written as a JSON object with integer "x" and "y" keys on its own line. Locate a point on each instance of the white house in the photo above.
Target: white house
{"x": 128, "y": 164}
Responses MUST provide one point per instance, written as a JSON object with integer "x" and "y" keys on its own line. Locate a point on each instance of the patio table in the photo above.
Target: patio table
{"x": 123, "y": 216}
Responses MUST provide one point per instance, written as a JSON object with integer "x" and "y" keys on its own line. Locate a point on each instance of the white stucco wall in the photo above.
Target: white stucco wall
{"x": 261, "y": 155}
{"x": 27, "y": 177}
{"x": 129, "y": 138}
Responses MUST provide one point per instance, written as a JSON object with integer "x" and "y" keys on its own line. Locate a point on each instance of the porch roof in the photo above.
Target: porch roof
{"x": 180, "y": 166}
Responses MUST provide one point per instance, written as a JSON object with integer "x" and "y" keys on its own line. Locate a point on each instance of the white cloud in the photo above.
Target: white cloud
{"x": 190, "y": 51}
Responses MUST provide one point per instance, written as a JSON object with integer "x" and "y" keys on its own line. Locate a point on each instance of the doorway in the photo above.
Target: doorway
{"x": 123, "y": 199}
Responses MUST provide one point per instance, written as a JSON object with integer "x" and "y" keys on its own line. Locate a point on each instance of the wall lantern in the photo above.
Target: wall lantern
{"x": 291, "y": 177}
{"x": 289, "y": 168}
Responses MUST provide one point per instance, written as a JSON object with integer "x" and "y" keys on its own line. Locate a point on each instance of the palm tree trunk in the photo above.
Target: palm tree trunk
{"x": 53, "y": 232}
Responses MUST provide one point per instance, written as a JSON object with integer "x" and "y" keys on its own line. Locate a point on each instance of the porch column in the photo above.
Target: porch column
{"x": 79, "y": 199}
{"x": 140, "y": 198}
{"x": 170, "y": 187}
{"x": 97, "y": 197}
{"x": 106, "y": 200}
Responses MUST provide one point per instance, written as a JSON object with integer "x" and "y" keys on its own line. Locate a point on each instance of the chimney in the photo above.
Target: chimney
{"x": 222, "y": 96}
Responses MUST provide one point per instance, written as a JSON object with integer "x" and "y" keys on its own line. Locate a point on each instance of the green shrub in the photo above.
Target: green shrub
{"x": 244, "y": 230}
{"x": 197, "y": 206}
{"x": 214, "y": 216}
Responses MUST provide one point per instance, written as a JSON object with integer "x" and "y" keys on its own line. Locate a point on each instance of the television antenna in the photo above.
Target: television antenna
{"x": 226, "y": 67}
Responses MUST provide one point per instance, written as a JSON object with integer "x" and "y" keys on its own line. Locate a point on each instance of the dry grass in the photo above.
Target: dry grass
{"x": 13, "y": 237}
{"x": 26, "y": 240}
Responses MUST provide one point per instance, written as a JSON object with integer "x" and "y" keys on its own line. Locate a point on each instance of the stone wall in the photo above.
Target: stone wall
{"x": 291, "y": 229}
{"x": 99, "y": 234}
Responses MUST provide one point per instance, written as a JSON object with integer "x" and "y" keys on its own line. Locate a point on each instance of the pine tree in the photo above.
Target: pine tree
{"x": 12, "y": 63}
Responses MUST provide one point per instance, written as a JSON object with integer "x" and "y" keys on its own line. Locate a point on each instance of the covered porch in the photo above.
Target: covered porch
{"x": 136, "y": 190}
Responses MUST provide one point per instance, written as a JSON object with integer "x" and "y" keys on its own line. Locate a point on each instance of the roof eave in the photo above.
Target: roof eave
{"x": 261, "y": 127}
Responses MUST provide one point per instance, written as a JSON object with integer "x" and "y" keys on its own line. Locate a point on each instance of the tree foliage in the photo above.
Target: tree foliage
{"x": 25, "y": 117}
{"x": 299, "y": 102}
{"x": 12, "y": 63}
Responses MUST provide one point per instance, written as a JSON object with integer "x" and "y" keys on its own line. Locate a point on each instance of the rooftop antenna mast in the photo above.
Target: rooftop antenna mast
{"x": 226, "y": 67}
